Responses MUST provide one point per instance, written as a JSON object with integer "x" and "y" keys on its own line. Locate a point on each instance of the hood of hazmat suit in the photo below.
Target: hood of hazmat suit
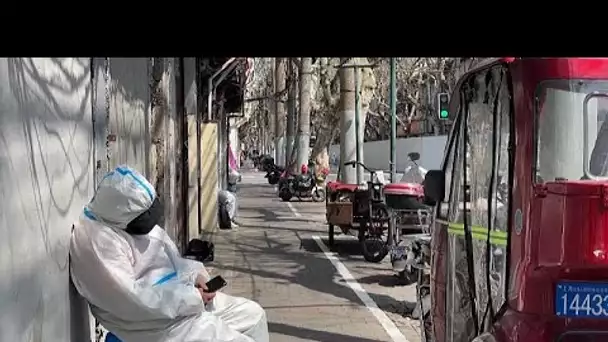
{"x": 136, "y": 282}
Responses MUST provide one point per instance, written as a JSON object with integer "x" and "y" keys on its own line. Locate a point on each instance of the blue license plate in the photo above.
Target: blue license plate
{"x": 576, "y": 299}
{"x": 398, "y": 252}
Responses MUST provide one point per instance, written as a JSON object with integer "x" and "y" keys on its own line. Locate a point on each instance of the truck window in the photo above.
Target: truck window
{"x": 480, "y": 183}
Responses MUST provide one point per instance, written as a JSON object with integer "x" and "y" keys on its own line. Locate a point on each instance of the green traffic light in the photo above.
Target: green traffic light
{"x": 443, "y": 114}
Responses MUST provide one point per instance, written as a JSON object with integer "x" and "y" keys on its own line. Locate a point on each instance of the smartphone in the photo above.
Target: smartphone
{"x": 215, "y": 284}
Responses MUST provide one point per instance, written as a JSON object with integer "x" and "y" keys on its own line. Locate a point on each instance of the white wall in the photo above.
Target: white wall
{"x": 46, "y": 175}
{"x": 49, "y": 156}
{"x": 130, "y": 113}
{"x": 376, "y": 153}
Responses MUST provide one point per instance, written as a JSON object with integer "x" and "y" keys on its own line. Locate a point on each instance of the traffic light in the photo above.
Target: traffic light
{"x": 443, "y": 106}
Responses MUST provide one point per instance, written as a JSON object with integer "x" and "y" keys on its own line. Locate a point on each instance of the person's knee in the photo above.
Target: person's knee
{"x": 256, "y": 311}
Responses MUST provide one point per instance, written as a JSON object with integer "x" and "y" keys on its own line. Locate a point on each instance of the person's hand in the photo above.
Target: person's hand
{"x": 200, "y": 285}
{"x": 200, "y": 281}
{"x": 207, "y": 296}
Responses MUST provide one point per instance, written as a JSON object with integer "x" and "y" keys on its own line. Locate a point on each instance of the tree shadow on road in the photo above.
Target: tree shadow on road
{"x": 257, "y": 186}
{"x": 268, "y": 215}
{"x": 346, "y": 247}
{"x": 386, "y": 280}
{"x": 313, "y": 272}
{"x": 313, "y": 335}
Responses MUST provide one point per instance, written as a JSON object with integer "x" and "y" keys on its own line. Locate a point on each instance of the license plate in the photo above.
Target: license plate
{"x": 576, "y": 299}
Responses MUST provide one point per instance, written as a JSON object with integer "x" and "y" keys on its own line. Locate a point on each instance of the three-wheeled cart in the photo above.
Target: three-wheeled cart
{"x": 360, "y": 209}
{"x": 409, "y": 222}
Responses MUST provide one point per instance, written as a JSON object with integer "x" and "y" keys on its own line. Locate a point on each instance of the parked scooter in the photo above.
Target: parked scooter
{"x": 305, "y": 185}
{"x": 274, "y": 174}
{"x": 265, "y": 163}
{"x": 285, "y": 177}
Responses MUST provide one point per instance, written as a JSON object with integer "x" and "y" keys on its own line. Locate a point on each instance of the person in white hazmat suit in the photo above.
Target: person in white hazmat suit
{"x": 136, "y": 282}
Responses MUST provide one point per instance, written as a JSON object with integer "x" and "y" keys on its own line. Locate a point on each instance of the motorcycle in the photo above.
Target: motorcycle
{"x": 306, "y": 185}
{"x": 285, "y": 176}
{"x": 274, "y": 174}
{"x": 410, "y": 221}
{"x": 265, "y": 163}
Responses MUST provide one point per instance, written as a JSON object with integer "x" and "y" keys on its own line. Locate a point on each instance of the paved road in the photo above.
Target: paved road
{"x": 307, "y": 290}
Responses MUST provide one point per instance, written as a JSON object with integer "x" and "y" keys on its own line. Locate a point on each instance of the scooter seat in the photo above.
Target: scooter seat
{"x": 404, "y": 189}
{"x": 339, "y": 186}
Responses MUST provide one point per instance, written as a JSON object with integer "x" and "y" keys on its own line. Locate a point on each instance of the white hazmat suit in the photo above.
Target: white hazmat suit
{"x": 138, "y": 285}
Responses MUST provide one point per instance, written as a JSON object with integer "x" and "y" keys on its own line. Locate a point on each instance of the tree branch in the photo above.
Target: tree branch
{"x": 331, "y": 99}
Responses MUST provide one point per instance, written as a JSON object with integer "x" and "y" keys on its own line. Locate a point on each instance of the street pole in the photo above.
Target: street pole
{"x": 393, "y": 106}
{"x": 357, "y": 100}
{"x": 393, "y": 140}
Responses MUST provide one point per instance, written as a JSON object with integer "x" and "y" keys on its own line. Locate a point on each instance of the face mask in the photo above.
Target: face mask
{"x": 146, "y": 221}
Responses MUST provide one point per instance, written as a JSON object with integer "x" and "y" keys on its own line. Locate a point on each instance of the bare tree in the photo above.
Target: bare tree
{"x": 325, "y": 117}
{"x": 279, "y": 110}
{"x": 291, "y": 115}
{"x": 418, "y": 81}
{"x": 347, "y": 122}
{"x": 258, "y": 132}
{"x": 304, "y": 117}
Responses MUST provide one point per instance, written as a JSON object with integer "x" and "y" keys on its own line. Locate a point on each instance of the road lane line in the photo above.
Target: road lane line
{"x": 293, "y": 210}
{"x": 388, "y": 325}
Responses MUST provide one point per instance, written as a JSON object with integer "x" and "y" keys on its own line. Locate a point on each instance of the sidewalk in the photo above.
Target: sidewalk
{"x": 273, "y": 260}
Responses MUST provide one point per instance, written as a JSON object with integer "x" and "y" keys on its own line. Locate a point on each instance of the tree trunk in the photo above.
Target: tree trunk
{"x": 269, "y": 123}
{"x": 159, "y": 109}
{"x": 304, "y": 117}
{"x": 291, "y": 116}
{"x": 347, "y": 123}
{"x": 325, "y": 136}
{"x": 279, "y": 115}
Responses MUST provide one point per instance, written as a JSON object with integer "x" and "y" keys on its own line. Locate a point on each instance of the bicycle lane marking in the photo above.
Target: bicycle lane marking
{"x": 293, "y": 210}
{"x": 386, "y": 323}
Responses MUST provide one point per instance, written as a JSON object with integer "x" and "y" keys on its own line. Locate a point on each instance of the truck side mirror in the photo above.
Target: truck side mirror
{"x": 434, "y": 186}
